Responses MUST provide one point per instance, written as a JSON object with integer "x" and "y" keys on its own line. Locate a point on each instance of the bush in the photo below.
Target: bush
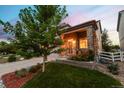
{"x": 35, "y": 54}
{"x": 78, "y": 58}
{"x": 21, "y": 73}
{"x": 113, "y": 68}
{"x": 34, "y": 69}
{"x": 90, "y": 57}
{"x": 26, "y": 55}
{"x": 12, "y": 58}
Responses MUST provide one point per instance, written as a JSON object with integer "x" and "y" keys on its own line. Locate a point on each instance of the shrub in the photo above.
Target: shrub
{"x": 21, "y": 73}
{"x": 34, "y": 69}
{"x": 38, "y": 66}
{"x": 36, "y": 54}
{"x": 26, "y": 55}
{"x": 113, "y": 68}
{"x": 90, "y": 57}
{"x": 78, "y": 58}
{"x": 12, "y": 58}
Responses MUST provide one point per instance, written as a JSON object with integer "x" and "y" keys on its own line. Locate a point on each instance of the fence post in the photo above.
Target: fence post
{"x": 121, "y": 56}
{"x": 112, "y": 57}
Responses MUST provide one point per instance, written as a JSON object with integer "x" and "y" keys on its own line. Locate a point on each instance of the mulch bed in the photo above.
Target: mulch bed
{"x": 10, "y": 80}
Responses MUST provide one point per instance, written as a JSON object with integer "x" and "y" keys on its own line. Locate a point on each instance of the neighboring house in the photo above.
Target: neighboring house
{"x": 81, "y": 38}
{"x": 120, "y": 28}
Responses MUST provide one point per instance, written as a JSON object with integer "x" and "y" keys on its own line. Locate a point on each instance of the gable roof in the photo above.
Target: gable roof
{"x": 92, "y": 23}
{"x": 119, "y": 18}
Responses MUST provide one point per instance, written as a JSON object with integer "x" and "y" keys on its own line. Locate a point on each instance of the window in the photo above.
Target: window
{"x": 83, "y": 43}
{"x": 71, "y": 43}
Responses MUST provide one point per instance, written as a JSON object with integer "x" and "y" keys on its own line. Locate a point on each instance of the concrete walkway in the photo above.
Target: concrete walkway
{"x": 10, "y": 67}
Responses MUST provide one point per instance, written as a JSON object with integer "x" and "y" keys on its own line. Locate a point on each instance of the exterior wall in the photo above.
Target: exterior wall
{"x": 121, "y": 31}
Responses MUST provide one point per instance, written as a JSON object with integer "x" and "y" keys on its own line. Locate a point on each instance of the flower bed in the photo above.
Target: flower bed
{"x": 18, "y": 78}
{"x": 10, "y": 80}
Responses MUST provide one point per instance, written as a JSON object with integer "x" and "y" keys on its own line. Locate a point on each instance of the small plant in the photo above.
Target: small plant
{"x": 12, "y": 58}
{"x": 78, "y": 58}
{"x": 34, "y": 69}
{"x": 21, "y": 73}
{"x": 90, "y": 56}
{"x": 113, "y": 68}
{"x": 38, "y": 66}
{"x": 27, "y": 55}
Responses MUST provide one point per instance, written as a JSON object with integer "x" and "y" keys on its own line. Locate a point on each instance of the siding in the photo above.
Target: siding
{"x": 121, "y": 31}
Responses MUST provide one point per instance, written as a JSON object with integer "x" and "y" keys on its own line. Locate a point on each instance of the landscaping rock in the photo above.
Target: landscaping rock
{"x": 1, "y": 84}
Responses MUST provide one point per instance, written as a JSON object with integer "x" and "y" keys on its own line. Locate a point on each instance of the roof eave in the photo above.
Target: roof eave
{"x": 89, "y": 23}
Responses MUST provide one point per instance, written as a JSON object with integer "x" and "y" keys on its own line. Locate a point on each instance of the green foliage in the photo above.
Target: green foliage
{"x": 113, "y": 68}
{"x": 21, "y": 73}
{"x": 11, "y": 58}
{"x": 83, "y": 57}
{"x": 78, "y": 58}
{"x": 27, "y": 55}
{"x": 106, "y": 42}
{"x": 7, "y": 48}
{"x": 115, "y": 48}
{"x": 38, "y": 28}
{"x": 90, "y": 56}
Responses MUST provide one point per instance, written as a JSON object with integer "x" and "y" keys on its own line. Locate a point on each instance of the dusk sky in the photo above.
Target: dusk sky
{"x": 77, "y": 14}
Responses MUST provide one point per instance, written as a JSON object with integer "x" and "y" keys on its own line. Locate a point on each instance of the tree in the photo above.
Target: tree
{"x": 7, "y": 48}
{"x": 38, "y": 29}
{"x": 106, "y": 42}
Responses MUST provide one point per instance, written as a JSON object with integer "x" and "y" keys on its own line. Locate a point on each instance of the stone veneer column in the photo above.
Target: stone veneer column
{"x": 90, "y": 38}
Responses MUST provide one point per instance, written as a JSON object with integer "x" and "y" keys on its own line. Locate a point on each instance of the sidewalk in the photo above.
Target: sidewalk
{"x": 10, "y": 67}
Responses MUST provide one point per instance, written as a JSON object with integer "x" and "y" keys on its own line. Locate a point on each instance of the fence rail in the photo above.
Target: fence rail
{"x": 116, "y": 56}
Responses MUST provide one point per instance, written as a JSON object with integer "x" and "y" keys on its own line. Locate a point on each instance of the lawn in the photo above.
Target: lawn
{"x": 65, "y": 76}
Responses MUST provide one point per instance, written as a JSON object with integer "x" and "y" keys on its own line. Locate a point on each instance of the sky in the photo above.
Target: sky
{"x": 108, "y": 15}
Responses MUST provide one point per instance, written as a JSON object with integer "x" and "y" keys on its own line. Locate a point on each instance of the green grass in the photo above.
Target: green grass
{"x": 65, "y": 76}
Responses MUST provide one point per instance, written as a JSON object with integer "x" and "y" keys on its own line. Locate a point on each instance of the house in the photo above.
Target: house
{"x": 81, "y": 38}
{"x": 120, "y": 28}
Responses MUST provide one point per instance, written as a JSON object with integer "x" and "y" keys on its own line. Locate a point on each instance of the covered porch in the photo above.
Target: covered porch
{"x": 78, "y": 41}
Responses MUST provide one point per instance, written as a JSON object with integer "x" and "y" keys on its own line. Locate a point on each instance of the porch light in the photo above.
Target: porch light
{"x": 73, "y": 42}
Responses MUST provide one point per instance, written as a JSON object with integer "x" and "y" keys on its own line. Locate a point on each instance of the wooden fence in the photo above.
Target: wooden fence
{"x": 116, "y": 56}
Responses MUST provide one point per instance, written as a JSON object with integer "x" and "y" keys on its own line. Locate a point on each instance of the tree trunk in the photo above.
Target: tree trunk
{"x": 44, "y": 60}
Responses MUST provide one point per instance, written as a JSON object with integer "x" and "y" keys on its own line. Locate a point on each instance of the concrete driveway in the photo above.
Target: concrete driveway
{"x": 10, "y": 67}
